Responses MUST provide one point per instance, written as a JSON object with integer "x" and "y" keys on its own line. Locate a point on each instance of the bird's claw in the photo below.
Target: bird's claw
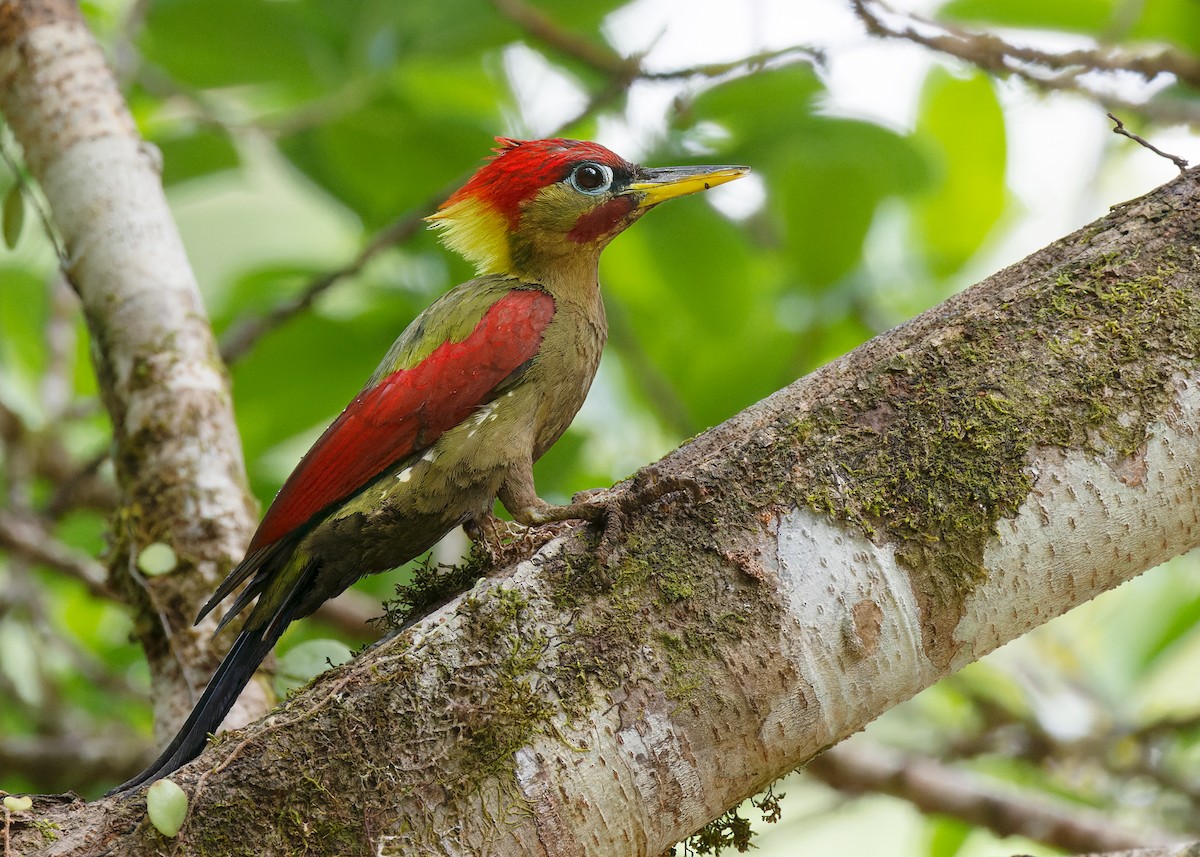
{"x": 494, "y": 536}
{"x": 506, "y": 542}
{"x": 613, "y": 507}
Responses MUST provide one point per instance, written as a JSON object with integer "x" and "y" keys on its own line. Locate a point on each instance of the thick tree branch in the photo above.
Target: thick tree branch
{"x": 178, "y": 458}
{"x": 937, "y": 492}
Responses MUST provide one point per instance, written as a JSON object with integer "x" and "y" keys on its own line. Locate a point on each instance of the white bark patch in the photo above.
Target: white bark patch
{"x": 1085, "y": 527}
{"x": 654, "y": 753}
{"x": 856, "y": 637}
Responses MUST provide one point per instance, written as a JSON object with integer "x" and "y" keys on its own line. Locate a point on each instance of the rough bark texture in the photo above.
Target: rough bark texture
{"x": 176, "y": 448}
{"x": 935, "y": 493}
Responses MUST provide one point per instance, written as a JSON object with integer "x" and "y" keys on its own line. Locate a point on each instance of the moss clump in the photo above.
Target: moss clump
{"x": 432, "y": 585}
{"x": 312, "y": 819}
{"x": 731, "y": 830}
{"x": 501, "y": 710}
{"x": 659, "y": 618}
{"x": 929, "y": 451}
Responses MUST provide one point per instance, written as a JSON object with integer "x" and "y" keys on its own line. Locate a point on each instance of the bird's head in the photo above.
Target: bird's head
{"x": 541, "y": 203}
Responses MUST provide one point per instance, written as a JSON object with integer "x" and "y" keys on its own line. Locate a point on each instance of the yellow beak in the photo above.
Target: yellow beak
{"x": 663, "y": 183}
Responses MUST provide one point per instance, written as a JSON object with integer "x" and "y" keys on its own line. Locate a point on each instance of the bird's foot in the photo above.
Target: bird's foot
{"x": 495, "y": 537}
{"x": 611, "y": 507}
{"x": 506, "y": 542}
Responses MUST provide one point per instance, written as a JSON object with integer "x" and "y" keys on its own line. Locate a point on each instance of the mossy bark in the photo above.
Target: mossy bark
{"x": 935, "y": 493}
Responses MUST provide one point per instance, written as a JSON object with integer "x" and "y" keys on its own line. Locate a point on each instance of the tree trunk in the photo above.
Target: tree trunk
{"x": 176, "y": 450}
{"x": 939, "y": 491}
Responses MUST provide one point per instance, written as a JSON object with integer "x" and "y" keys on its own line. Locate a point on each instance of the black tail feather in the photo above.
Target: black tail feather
{"x": 222, "y": 692}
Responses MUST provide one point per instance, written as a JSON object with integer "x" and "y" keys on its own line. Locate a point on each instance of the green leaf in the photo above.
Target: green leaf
{"x": 14, "y": 216}
{"x": 947, "y": 836}
{"x": 1077, "y": 16}
{"x": 826, "y": 187}
{"x": 688, "y": 264}
{"x": 222, "y": 43}
{"x": 962, "y": 123}
{"x": 433, "y": 123}
{"x": 825, "y": 176}
{"x": 305, "y": 661}
{"x": 23, "y": 311}
{"x": 1173, "y": 21}
{"x": 762, "y": 111}
{"x": 167, "y": 805}
{"x": 192, "y": 155}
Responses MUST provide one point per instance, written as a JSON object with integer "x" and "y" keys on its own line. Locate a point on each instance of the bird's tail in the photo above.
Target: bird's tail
{"x": 235, "y": 671}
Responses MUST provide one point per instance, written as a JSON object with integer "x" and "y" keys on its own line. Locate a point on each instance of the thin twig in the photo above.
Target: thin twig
{"x": 537, "y": 24}
{"x": 1124, "y": 132}
{"x": 242, "y": 337}
{"x": 1043, "y": 69}
{"x": 540, "y": 27}
{"x": 752, "y": 63}
{"x": 35, "y": 202}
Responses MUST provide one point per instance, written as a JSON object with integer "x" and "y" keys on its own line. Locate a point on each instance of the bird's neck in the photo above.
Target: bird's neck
{"x": 568, "y": 273}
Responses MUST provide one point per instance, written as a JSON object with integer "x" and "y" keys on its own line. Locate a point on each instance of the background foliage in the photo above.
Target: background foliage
{"x": 303, "y": 139}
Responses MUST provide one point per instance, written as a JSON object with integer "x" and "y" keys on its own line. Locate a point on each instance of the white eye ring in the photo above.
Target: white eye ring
{"x": 591, "y": 171}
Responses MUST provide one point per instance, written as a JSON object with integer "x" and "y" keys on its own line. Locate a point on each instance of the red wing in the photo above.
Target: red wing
{"x": 408, "y": 410}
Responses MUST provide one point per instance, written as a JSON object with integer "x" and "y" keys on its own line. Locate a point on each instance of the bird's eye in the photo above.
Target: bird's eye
{"x": 591, "y": 178}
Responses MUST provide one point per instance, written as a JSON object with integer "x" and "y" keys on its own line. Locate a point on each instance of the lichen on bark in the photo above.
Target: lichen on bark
{"x": 931, "y": 448}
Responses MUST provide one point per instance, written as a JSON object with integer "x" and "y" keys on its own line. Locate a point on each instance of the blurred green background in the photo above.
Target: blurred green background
{"x": 886, "y": 177}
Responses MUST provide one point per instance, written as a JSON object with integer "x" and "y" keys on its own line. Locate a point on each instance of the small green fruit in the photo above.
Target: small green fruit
{"x": 157, "y": 558}
{"x": 167, "y": 806}
{"x": 13, "y": 803}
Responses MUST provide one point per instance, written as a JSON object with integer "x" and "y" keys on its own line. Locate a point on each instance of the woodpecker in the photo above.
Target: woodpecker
{"x": 481, "y": 383}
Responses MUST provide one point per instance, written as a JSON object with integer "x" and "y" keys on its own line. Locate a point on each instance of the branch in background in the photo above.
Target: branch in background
{"x": 1044, "y": 70}
{"x": 857, "y": 767}
{"x": 56, "y": 762}
{"x": 78, "y": 486}
{"x": 1179, "y": 849}
{"x": 1123, "y": 754}
{"x": 242, "y": 336}
{"x": 27, "y": 537}
{"x": 541, "y": 28}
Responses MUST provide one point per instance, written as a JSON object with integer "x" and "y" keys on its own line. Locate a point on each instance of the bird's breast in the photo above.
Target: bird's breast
{"x": 564, "y": 370}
